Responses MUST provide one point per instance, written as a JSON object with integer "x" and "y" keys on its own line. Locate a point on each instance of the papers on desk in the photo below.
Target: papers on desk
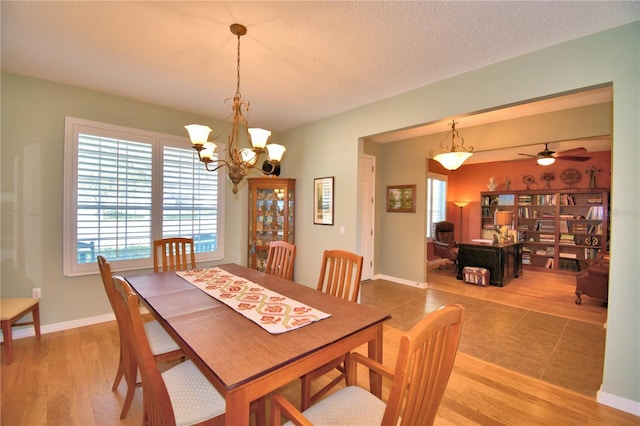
{"x": 481, "y": 240}
{"x": 272, "y": 311}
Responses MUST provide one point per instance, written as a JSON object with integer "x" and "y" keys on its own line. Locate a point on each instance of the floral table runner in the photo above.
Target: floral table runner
{"x": 270, "y": 310}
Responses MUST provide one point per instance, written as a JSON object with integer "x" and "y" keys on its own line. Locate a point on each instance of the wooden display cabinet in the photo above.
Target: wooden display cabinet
{"x": 271, "y": 216}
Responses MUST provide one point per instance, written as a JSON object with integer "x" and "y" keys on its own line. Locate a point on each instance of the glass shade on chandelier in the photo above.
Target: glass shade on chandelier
{"x": 240, "y": 160}
{"x": 452, "y": 156}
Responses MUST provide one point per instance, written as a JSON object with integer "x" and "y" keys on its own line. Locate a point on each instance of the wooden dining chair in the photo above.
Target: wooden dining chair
{"x": 425, "y": 359}
{"x": 175, "y": 254}
{"x": 280, "y": 260}
{"x": 163, "y": 347}
{"x": 340, "y": 276}
{"x": 180, "y": 395}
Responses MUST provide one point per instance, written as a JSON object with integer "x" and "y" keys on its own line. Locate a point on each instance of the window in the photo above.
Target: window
{"x": 125, "y": 188}
{"x": 436, "y": 200}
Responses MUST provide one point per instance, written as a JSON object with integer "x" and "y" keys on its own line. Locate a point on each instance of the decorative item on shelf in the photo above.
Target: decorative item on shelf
{"x": 570, "y": 176}
{"x": 592, "y": 170}
{"x": 507, "y": 183}
{"x": 503, "y": 221}
{"x": 452, "y": 157}
{"x": 461, "y": 204}
{"x": 528, "y": 180}
{"x": 241, "y": 160}
{"x": 547, "y": 177}
{"x": 492, "y": 185}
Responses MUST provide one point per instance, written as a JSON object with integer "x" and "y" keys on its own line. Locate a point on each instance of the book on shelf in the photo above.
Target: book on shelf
{"x": 595, "y": 213}
{"x": 579, "y": 227}
{"x": 549, "y": 263}
{"x": 568, "y": 255}
{"x": 567, "y": 239}
{"x": 546, "y": 199}
{"x": 594, "y": 200}
{"x": 567, "y": 200}
{"x": 564, "y": 226}
{"x": 524, "y": 199}
{"x": 541, "y": 252}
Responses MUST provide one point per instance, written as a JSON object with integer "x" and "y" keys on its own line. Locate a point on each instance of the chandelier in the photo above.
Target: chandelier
{"x": 240, "y": 160}
{"x": 452, "y": 157}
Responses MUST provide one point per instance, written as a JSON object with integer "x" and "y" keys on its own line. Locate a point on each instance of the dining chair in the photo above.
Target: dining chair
{"x": 175, "y": 254}
{"x": 11, "y": 311}
{"x": 163, "y": 347}
{"x": 340, "y": 276}
{"x": 181, "y": 395}
{"x": 425, "y": 359}
{"x": 280, "y": 260}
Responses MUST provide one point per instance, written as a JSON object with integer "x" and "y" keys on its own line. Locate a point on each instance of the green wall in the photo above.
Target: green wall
{"x": 33, "y": 114}
{"x": 328, "y": 148}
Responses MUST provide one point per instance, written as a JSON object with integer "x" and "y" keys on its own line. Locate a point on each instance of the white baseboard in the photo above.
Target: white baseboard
{"x": 28, "y": 330}
{"x": 619, "y": 403}
{"x": 399, "y": 281}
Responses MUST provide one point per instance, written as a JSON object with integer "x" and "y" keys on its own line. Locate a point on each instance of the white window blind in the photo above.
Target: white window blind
{"x": 436, "y": 201}
{"x": 125, "y": 188}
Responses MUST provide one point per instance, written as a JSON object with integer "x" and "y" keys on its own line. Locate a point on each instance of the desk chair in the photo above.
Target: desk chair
{"x": 12, "y": 310}
{"x": 280, "y": 260}
{"x": 425, "y": 360}
{"x": 163, "y": 347}
{"x": 175, "y": 254}
{"x": 444, "y": 243}
{"x": 340, "y": 276}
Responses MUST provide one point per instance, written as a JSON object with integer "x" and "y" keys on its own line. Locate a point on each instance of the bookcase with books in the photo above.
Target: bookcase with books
{"x": 561, "y": 230}
{"x": 492, "y": 201}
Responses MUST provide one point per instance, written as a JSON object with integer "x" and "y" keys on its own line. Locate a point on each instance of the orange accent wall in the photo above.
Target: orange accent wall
{"x": 466, "y": 184}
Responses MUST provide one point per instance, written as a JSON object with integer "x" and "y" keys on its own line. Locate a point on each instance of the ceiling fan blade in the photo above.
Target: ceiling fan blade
{"x": 572, "y": 158}
{"x": 529, "y": 155}
{"x": 574, "y": 151}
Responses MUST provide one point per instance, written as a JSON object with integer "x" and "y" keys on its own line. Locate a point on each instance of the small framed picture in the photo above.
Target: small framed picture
{"x": 401, "y": 198}
{"x": 323, "y": 201}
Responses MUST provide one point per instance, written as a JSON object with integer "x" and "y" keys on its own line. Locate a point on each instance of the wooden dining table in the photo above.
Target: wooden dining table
{"x": 242, "y": 360}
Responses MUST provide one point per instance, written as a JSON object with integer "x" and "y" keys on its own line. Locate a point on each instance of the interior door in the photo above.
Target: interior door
{"x": 367, "y": 201}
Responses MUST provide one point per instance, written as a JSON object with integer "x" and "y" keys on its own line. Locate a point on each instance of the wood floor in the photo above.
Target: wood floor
{"x": 66, "y": 378}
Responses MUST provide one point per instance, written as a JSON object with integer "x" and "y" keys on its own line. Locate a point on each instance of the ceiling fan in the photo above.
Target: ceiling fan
{"x": 547, "y": 157}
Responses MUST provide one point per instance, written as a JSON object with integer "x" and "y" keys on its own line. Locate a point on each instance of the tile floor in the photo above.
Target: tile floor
{"x": 562, "y": 351}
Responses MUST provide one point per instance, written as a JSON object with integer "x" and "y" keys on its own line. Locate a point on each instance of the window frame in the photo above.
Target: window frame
{"x": 429, "y": 201}
{"x": 75, "y": 126}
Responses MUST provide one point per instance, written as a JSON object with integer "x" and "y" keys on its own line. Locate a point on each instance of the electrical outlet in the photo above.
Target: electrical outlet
{"x": 36, "y": 293}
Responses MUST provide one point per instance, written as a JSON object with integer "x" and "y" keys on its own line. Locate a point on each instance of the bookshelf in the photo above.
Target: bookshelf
{"x": 561, "y": 230}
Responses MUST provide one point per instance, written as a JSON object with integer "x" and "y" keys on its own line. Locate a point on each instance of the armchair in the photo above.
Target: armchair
{"x": 444, "y": 243}
{"x": 594, "y": 281}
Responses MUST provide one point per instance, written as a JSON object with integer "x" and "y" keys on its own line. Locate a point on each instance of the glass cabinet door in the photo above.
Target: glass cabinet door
{"x": 271, "y": 216}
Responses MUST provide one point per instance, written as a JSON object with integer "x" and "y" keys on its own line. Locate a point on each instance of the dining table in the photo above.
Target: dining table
{"x": 241, "y": 359}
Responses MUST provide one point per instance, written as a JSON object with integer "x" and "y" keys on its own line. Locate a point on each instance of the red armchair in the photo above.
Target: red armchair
{"x": 594, "y": 281}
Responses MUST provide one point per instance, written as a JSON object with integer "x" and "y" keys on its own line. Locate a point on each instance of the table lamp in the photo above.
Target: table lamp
{"x": 503, "y": 220}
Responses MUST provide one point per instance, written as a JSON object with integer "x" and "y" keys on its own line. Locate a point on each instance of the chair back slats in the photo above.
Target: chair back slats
{"x": 425, "y": 360}
{"x": 340, "y": 274}
{"x": 281, "y": 259}
{"x": 173, "y": 254}
{"x": 157, "y": 408}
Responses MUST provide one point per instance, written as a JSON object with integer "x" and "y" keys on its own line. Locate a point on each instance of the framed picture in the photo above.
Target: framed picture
{"x": 401, "y": 198}
{"x": 323, "y": 201}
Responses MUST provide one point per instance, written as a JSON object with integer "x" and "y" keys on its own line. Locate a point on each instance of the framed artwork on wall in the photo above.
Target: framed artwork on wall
{"x": 323, "y": 201}
{"x": 401, "y": 198}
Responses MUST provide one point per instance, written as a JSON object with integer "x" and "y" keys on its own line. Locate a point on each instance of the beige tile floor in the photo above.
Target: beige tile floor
{"x": 558, "y": 350}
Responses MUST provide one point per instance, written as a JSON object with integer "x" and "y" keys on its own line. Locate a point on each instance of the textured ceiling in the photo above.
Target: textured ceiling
{"x": 301, "y": 61}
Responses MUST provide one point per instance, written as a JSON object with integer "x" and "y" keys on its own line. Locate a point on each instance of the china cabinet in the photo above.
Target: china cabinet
{"x": 271, "y": 216}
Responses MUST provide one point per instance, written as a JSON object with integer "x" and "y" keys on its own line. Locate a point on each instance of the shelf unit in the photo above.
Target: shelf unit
{"x": 561, "y": 230}
{"x": 271, "y": 216}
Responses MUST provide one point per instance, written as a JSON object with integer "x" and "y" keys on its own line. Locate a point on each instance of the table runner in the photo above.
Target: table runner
{"x": 272, "y": 311}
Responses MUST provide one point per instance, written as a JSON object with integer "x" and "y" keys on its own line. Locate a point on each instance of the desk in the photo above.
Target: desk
{"x": 504, "y": 261}
{"x": 243, "y": 361}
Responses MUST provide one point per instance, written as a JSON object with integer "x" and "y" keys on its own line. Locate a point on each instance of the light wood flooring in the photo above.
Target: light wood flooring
{"x": 65, "y": 379}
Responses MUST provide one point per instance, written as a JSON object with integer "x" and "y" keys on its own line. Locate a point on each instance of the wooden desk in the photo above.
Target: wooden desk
{"x": 504, "y": 261}
{"x": 243, "y": 361}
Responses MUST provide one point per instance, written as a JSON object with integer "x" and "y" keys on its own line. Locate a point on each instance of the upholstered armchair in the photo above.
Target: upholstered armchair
{"x": 444, "y": 244}
{"x": 594, "y": 281}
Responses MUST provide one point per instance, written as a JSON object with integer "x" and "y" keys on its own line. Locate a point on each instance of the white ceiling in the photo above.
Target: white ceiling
{"x": 300, "y": 61}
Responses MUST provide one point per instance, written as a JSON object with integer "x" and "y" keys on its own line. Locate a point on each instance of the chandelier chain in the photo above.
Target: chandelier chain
{"x": 238, "y": 71}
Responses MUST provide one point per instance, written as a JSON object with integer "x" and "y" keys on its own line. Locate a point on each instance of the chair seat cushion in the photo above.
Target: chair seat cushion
{"x": 349, "y": 406}
{"x": 193, "y": 397}
{"x": 14, "y": 306}
{"x": 159, "y": 340}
